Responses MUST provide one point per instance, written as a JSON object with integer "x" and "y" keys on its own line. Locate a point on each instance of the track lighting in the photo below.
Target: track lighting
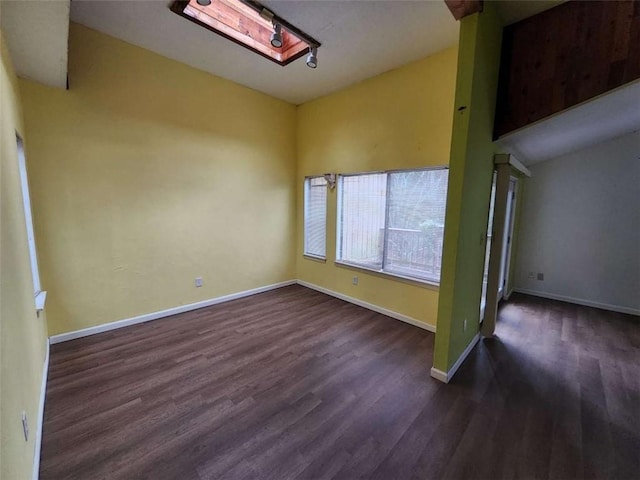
{"x": 312, "y": 58}
{"x": 276, "y": 36}
{"x": 253, "y": 26}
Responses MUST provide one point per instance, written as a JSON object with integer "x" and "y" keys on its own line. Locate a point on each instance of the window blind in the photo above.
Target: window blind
{"x": 362, "y": 218}
{"x": 315, "y": 217}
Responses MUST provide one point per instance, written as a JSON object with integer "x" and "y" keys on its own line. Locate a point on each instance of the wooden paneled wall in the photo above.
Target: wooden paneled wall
{"x": 564, "y": 56}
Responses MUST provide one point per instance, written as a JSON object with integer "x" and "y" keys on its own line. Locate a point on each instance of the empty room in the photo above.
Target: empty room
{"x": 315, "y": 239}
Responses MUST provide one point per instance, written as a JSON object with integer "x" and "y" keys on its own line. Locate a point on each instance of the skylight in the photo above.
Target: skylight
{"x": 249, "y": 24}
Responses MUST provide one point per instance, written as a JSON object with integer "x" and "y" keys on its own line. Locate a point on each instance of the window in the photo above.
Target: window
{"x": 393, "y": 222}
{"x": 250, "y": 24}
{"x": 315, "y": 217}
{"x": 22, "y": 166}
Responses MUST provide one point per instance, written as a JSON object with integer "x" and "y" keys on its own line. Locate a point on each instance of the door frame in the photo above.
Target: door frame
{"x": 502, "y": 223}
{"x": 513, "y": 200}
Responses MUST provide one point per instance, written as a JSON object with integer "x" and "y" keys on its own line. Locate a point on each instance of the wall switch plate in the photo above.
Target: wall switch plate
{"x": 540, "y": 276}
{"x": 198, "y": 281}
{"x": 355, "y": 280}
{"x": 532, "y": 276}
{"x": 25, "y": 426}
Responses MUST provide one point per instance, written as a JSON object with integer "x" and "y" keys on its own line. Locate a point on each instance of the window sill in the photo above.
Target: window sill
{"x": 394, "y": 276}
{"x": 40, "y": 299}
{"x": 315, "y": 258}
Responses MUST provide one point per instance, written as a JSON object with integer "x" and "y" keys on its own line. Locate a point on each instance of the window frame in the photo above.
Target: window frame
{"x": 307, "y": 186}
{"x": 38, "y": 294}
{"x": 339, "y": 212}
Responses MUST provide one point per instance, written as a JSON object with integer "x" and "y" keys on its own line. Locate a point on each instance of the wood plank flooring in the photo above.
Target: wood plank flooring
{"x": 296, "y": 384}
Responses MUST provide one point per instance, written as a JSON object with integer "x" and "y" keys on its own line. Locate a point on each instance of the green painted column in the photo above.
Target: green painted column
{"x": 470, "y": 175}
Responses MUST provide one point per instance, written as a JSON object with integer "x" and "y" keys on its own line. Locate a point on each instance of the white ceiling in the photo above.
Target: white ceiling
{"x": 37, "y": 33}
{"x": 359, "y": 39}
{"x": 610, "y": 115}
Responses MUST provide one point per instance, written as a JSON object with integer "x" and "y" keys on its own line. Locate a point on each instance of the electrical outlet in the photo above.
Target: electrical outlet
{"x": 540, "y": 276}
{"x": 198, "y": 281}
{"x": 25, "y": 426}
{"x": 532, "y": 276}
{"x": 355, "y": 280}
{"x": 464, "y": 325}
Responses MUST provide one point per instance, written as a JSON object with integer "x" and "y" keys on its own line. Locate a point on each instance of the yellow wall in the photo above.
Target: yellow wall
{"x": 22, "y": 334}
{"x": 400, "y": 119}
{"x": 148, "y": 173}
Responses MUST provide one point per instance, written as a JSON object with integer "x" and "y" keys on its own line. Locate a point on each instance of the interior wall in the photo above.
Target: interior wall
{"x": 23, "y": 339}
{"x": 581, "y": 227}
{"x": 398, "y": 120}
{"x": 147, "y": 174}
{"x": 470, "y": 178}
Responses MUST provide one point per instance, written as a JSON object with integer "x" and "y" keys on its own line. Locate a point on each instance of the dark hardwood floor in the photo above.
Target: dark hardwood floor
{"x": 296, "y": 384}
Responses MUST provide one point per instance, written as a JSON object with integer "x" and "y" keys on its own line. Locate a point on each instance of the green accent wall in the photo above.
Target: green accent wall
{"x": 471, "y": 167}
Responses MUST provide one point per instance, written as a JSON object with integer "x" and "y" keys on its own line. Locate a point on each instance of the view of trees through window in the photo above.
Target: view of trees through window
{"x": 394, "y": 221}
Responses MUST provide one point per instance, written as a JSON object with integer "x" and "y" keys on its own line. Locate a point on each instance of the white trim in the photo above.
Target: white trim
{"x": 316, "y": 258}
{"x": 439, "y": 375}
{"x": 40, "y": 300}
{"x": 508, "y": 159}
{"x": 387, "y": 273}
{"x": 105, "y": 327}
{"x": 43, "y": 390}
{"x": 519, "y": 166}
{"x": 447, "y": 376}
{"x": 579, "y": 301}
{"x": 28, "y": 216}
{"x": 370, "y": 306}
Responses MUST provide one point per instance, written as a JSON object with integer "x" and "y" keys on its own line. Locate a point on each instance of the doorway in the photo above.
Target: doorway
{"x": 505, "y": 261}
{"x": 505, "y": 254}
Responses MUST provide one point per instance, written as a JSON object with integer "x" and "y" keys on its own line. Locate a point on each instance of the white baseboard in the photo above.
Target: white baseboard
{"x": 447, "y": 376}
{"x": 439, "y": 375}
{"x": 40, "y": 419}
{"x": 105, "y": 327}
{"x": 370, "y": 306}
{"x": 579, "y": 301}
{"x": 85, "y": 332}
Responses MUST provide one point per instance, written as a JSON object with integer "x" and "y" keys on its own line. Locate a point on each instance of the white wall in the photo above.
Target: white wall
{"x": 581, "y": 227}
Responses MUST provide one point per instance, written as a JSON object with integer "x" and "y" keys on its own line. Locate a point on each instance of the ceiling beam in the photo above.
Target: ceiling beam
{"x": 461, "y": 8}
{"x": 37, "y": 35}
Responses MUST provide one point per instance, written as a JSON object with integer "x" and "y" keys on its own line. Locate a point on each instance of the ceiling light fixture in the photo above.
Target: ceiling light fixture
{"x": 204, "y": 3}
{"x": 312, "y": 58}
{"x": 276, "y": 36}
